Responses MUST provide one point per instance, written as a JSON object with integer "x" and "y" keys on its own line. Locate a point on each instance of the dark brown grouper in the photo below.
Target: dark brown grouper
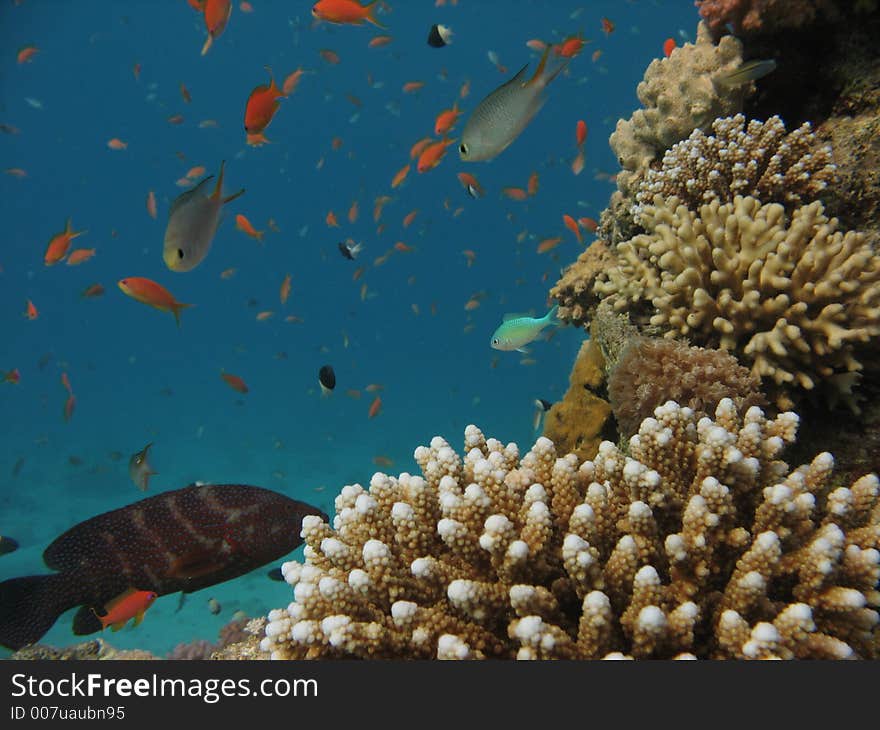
{"x": 182, "y": 540}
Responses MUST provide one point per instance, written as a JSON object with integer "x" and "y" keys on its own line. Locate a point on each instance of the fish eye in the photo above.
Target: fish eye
{"x": 463, "y": 148}
{"x": 494, "y": 340}
{"x": 180, "y": 253}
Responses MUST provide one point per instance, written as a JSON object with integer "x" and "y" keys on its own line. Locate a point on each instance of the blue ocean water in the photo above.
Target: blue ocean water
{"x": 138, "y": 378}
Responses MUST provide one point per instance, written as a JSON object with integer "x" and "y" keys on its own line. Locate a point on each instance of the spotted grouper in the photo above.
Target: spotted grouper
{"x": 182, "y": 540}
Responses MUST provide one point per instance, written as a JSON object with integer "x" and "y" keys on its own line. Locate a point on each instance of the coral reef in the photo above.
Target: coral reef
{"x": 760, "y": 160}
{"x": 232, "y": 632}
{"x": 247, "y": 648}
{"x": 652, "y": 371}
{"x": 575, "y": 424}
{"x": 93, "y": 649}
{"x": 678, "y": 95}
{"x": 574, "y": 290}
{"x": 749, "y": 16}
{"x": 700, "y": 543}
{"x": 795, "y": 300}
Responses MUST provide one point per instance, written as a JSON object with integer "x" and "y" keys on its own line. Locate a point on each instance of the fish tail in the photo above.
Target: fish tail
{"x": 208, "y": 42}
{"x": 232, "y": 197}
{"x": 370, "y": 14}
{"x": 550, "y": 317}
{"x": 218, "y": 190}
{"x": 177, "y": 308}
{"x": 542, "y": 64}
{"x": 30, "y": 605}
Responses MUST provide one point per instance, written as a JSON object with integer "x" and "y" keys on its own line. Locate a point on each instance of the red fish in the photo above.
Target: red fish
{"x": 433, "y": 154}
{"x": 129, "y": 605}
{"x": 668, "y": 46}
{"x": 149, "y": 292}
{"x": 13, "y": 376}
{"x": 216, "y": 13}
{"x": 235, "y": 382}
{"x": 182, "y": 540}
{"x": 347, "y": 12}
{"x": 60, "y": 243}
{"x": 375, "y": 407}
{"x": 259, "y": 110}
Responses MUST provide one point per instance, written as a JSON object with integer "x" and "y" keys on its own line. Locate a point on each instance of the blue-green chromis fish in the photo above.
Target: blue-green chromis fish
{"x": 516, "y": 332}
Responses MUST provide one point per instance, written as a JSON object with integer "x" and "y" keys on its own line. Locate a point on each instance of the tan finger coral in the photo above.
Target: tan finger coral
{"x": 795, "y": 300}
{"x": 700, "y": 542}
{"x": 758, "y": 159}
{"x": 653, "y": 370}
{"x": 679, "y": 94}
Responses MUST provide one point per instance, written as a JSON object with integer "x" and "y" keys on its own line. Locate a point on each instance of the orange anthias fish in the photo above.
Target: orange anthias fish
{"x": 235, "y": 382}
{"x": 446, "y": 120}
{"x": 151, "y": 204}
{"x": 81, "y": 255}
{"x": 60, "y": 243}
{"x": 400, "y": 176}
{"x": 216, "y": 13}
{"x": 572, "y": 225}
{"x": 284, "y": 293}
{"x": 432, "y": 154}
{"x": 668, "y": 46}
{"x": 261, "y": 107}
{"x": 93, "y": 290}
{"x": 244, "y": 225}
{"x": 291, "y": 82}
{"x": 156, "y": 295}
{"x": 375, "y": 407}
{"x": 347, "y": 12}
{"x": 130, "y": 605}
{"x": 26, "y": 54}
{"x": 31, "y": 311}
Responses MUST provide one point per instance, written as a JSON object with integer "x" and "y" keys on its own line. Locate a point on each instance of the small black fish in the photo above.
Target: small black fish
{"x": 545, "y": 404}
{"x": 349, "y": 249}
{"x": 7, "y": 545}
{"x": 326, "y": 379}
{"x": 439, "y": 36}
{"x": 541, "y": 408}
{"x": 275, "y": 574}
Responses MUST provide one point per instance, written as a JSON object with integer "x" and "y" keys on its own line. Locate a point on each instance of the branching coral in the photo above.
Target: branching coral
{"x": 760, "y": 160}
{"x": 700, "y": 543}
{"x": 679, "y": 95}
{"x": 653, "y": 370}
{"x": 794, "y": 300}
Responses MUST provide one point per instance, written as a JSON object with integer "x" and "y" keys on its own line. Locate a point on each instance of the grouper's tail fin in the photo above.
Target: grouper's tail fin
{"x": 30, "y": 605}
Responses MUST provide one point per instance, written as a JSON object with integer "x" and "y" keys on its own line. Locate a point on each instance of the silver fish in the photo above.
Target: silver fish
{"x": 139, "y": 468}
{"x": 192, "y": 223}
{"x": 502, "y": 116}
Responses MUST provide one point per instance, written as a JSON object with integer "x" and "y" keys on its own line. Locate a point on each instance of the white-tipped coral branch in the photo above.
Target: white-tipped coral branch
{"x": 700, "y": 542}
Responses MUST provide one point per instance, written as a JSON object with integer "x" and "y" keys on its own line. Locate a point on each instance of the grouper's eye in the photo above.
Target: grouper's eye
{"x": 180, "y": 254}
{"x": 463, "y": 148}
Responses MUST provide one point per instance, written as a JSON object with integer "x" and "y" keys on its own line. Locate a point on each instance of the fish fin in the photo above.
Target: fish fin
{"x": 185, "y": 197}
{"x": 195, "y": 564}
{"x": 515, "y": 315}
{"x": 30, "y": 605}
{"x": 230, "y": 198}
{"x": 113, "y": 602}
{"x": 208, "y": 42}
{"x": 519, "y": 75}
{"x": 177, "y": 308}
{"x": 550, "y": 317}
{"x": 557, "y": 71}
{"x": 138, "y": 617}
{"x": 87, "y": 621}
{"x": 117, "y": 626}
{"x": 218, "y": 190}
{"x": 524, "y": 350}
{"x": 370, "y": 17}
{"x": 539, "y": 72}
